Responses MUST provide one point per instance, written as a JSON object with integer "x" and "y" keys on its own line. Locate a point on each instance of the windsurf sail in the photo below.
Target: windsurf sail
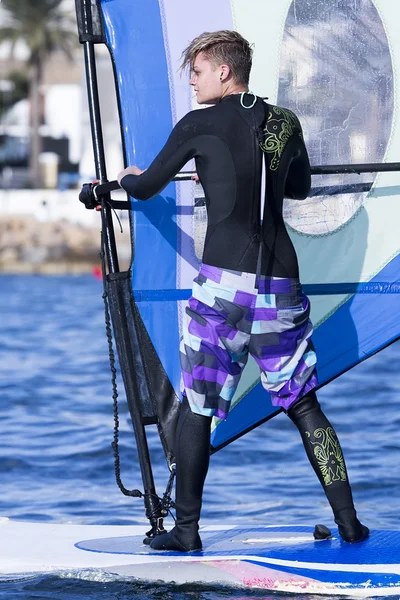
{"x": 336, "y": 65}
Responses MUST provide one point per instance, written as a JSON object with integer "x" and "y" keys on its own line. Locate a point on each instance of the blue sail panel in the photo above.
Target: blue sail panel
{"x": 135, "y": 38}
{"x": 364, "y": 324}
{"x": 146, "y": 40}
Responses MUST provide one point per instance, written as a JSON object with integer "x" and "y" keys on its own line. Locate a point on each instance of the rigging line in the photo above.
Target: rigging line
{"x": 111, "y": 355}
{"x": 115, "y": 214}
{"x": 165, "y": 503}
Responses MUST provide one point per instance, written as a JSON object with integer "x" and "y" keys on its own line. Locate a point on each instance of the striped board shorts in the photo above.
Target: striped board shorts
{"x": 231, "y": 315}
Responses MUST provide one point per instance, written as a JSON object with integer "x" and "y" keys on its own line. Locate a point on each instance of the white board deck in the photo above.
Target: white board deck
{"x": 284, "y": 559}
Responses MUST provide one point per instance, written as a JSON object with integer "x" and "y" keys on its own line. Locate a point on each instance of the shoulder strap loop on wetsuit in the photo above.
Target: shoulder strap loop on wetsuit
{"x": 242, "y": 95}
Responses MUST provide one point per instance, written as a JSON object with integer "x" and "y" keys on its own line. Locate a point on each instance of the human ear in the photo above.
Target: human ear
{"x": 225, "y": 70}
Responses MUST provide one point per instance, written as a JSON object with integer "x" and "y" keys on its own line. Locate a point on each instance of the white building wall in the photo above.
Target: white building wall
{"x": 47, "y": 205}
{"x": 63, "y": 116}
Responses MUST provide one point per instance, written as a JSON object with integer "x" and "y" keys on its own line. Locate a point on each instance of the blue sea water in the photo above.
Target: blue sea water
{"x": 56, "y": 462}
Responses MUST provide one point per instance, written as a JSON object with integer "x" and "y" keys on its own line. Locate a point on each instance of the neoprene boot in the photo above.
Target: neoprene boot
{"x": 192, "y": 453}
{"x": 325, "y": 455}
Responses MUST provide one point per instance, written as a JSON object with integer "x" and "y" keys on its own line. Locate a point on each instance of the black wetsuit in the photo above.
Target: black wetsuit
{"x": 225, "y": 140}
{"x": 229, "y": 143}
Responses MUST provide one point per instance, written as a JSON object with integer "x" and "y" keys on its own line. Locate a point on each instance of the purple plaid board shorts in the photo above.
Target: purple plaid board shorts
{"x": 231, "y": 315}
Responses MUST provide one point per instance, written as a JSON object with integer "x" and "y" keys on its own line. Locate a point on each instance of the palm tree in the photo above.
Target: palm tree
{"x": 44, "y": 27}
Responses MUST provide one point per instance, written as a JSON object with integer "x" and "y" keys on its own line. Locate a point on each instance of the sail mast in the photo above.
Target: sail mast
{"x": 90, "y": 32}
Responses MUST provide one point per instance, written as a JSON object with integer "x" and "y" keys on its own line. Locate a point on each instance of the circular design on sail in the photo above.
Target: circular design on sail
{"x": 336, "y": 74}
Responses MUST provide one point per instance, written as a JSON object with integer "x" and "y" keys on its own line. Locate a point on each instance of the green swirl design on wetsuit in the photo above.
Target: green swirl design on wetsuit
{"x": 329, "y": 455}
{"x": 281, "y": 125}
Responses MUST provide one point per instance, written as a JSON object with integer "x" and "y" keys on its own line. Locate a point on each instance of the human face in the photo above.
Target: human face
{"x": 206, "y": 80}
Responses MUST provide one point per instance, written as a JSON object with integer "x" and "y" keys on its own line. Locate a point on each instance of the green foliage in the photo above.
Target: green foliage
{"x": 19, "y": 91}
{"x": 44, "y": 27}
{"x": 41, "y": 24}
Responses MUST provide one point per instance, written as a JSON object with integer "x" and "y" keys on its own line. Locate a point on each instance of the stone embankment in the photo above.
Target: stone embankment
{"x": 47, "y": 231}
{"x": 42, "y": 232}
{"x": 31, "y": 246}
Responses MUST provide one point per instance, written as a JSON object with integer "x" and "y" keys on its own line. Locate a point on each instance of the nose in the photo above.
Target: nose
{"x": 191, "y": 82}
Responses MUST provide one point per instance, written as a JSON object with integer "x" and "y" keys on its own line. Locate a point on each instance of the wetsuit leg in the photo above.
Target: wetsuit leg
{"x": 192, "y": 453}
{"x": 325, "y": 455}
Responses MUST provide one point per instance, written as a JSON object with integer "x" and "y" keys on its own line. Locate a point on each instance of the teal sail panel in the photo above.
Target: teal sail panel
{"x": 335, "y": 63}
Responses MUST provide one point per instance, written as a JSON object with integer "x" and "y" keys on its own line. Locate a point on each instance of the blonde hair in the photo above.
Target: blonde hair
{"x": 222, "y": 47}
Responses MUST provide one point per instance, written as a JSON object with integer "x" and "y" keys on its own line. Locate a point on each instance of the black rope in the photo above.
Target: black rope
{"x": 165, "y": 503}
{"x": 111, "y": 355}
{"x": 109, "y": 202}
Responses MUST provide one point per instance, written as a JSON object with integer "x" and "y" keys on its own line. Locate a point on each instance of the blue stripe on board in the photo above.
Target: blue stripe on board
{"x": 314, "y": 289}
{"x": 360, "y": 327}
{"x": 135, "y": 36}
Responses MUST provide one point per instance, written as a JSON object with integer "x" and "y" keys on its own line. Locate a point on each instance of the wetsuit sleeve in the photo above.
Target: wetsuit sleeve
{"x": 178, "y": 150}
{"x": 298, "y": 180}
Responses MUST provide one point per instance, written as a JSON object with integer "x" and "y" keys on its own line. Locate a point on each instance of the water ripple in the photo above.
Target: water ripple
{"x": 56, "y": 460}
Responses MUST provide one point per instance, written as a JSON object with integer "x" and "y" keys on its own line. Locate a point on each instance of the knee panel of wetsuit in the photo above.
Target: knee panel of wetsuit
{"x": 308, "y": 406}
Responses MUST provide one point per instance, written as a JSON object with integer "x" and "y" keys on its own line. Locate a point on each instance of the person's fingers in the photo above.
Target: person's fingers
{"x": 98, "y": 207}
